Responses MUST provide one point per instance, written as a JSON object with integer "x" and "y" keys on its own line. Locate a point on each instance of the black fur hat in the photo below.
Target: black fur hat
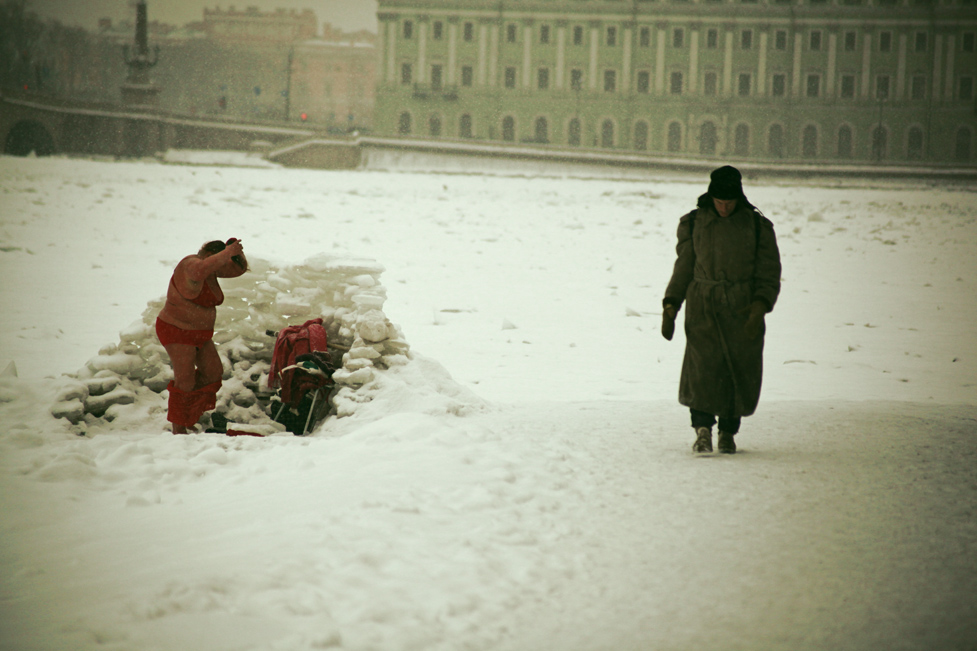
{"x": 726, "y": 183}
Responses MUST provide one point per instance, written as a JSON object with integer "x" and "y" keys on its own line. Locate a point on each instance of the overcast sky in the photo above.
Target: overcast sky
{"x": 349, "y": 15}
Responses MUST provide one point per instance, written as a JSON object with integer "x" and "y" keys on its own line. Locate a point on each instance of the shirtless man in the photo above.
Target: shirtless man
{"x": 185, "y": 327}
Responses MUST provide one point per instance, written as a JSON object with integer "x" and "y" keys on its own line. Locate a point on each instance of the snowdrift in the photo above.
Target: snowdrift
{"x": 126, "y": 382}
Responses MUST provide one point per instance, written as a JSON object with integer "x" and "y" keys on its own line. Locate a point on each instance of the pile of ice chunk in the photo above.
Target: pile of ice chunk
{"x": 345, "y": 293}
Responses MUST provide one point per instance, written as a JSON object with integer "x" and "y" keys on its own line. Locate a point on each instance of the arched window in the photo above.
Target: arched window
{"x": 880, "y": 142}
{"x": 607, "y": 134}
{"x": 914, "y": 145}
{"x": 403, "y": 124}
{"x": 809, "y": 142}
{"x": 465, "y": 126}
{"x": 707, "y": 138}
{"x": 542, "y": 130}
{"x": 641, "y": 136}
{"x": 573, "y": 132}
{"x": 434, "y": 123}
{"x": 962, "y": 149}
{"x": 674, "y": 136}
{"x": 844, "y": 141}
{"x": 741, "y": 140}
{"x": 775, "y": 141}
{"x": 508, "y": 128}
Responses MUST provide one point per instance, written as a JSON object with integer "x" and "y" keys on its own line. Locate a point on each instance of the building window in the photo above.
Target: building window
{"x": 408, "y": 30}
{"x": 844, "y": 142}
{"x": 710, "y": 84}
{"x": 885, "y": 41}
{"x": 508, "y": 128}
{"x": 918, "y": 88}
{"x": 573, "y": 132}
{"x": 743, "y": 85}
{"x": 611, "y": 37}
{"x": 644, "y": 37}
{"x": 674, "y": 137}
{"x": 675, "y": 87}
{"x": 468, "y": 32}
{"x": 882, "y": 87}
{"x": 914, "y": 144}
{"x": 851, "y": 41}
{"x": 921, "y": 42}
{"x": 741, "y": 140}
{"x": 434, "y": 123}
{"x": 965, "y": 88}
{"x": 707, "y": 138}
{"x": 511, "y": 31}
{"x": 712, "y": 39}
{"x": 437, "y": 30}
{"x": 644, "y": 81}
{"x": 775, "y": 141}
{"x": 778, "y": 85}
{"x": 577, "y": 35}
{"x": 544, "y": 34}
{"x": 467, "y": 75}
{"x": 403, "y": 124}
{"x": 406, "y": 73}
{"x": 813, "y": 85}
{"x": 815, "y": 40}
{"x": 641, "y": 136}
{"x": 809, "y": 142}
{"x": 746, "y": 39}
{"x": 465, "y": 126}
{"x": 678, "y": 37}
{"x": 962, "y": 150}
{"x": 510, "y": 77}
{"x": 847, "y": 86}
{"x": 543, "y": 78}
{"x": 542, "y": 131}
{"x": 880, "y": 142}
{"x": 969, "y": 42}
{"x": 780, "y": 39}
{"x": 576, "y": 79}
{"x": 610, "y": 81}
{"x": 607, "y": 134}
{"x": 436, "y": 81}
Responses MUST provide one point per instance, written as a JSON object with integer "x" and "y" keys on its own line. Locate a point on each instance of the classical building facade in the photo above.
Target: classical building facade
{"x": 888, "y": 81}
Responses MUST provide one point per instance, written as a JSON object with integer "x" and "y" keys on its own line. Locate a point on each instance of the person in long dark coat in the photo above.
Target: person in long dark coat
{"x": 728, "y": 275}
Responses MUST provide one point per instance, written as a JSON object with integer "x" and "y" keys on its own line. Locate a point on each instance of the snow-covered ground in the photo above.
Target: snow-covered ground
{"x": 546, "y": 497}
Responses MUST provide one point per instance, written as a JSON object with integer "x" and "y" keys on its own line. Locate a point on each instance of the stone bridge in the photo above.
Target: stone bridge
{"x": 46, "y": 126}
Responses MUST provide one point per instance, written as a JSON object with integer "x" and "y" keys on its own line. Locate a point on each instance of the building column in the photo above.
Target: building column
{"x": 422, "y": 75}
{"x": 728, "y": 61}
{"x": 948, "y": 88}
{"x": 561, "y": 46}
{"x": 392, "y": 51}
{"x": 493, "y": 58}
{"x": 482, "y": 78}
{"x": 867, "y": 66}
{"x": 694, "y": 59}
{"x": 901, "y": 68}
{"x": 660, "y": 60}
{"x": 527, "y": 57}
{"x": 626, "y": 60}
{"x": 795, "y": 82}
{"x": 829, "y": 74}
{"x": 937, "y": 71}
{"x": 594, "y": 43}
{"x": 452, "y": 51}
{"x": 761, "y": 85}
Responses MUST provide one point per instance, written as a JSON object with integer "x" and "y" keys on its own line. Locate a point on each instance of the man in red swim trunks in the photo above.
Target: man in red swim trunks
{"x": 185, "y": 327}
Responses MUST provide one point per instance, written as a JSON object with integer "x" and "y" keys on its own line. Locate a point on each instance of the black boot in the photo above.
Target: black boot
{"x": 703, "y": 440}
{"x": 726, "y": 443}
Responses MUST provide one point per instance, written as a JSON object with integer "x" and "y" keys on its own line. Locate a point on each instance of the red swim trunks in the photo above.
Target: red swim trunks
{"x": 170, "y": 334}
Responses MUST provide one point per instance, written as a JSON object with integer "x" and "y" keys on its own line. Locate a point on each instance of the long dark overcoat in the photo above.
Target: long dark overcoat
{"x": 724, "y": 264}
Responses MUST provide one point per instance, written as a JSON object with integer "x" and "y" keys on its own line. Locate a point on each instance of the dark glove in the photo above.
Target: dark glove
{"x": 754, "y": 319}
{"x": 668, "y": 322}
